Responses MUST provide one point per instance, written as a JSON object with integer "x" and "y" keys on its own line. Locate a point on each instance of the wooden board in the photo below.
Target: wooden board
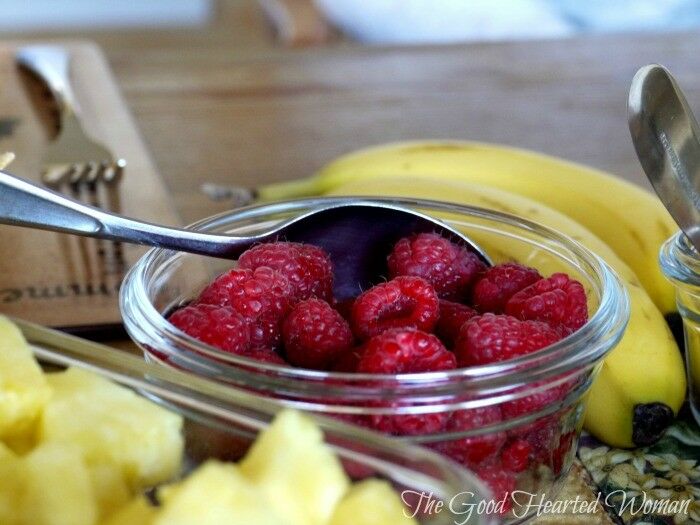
{"x": 55, "y": 279}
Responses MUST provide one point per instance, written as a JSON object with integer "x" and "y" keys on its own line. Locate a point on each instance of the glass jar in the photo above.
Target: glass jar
{"x": 523, "y": 415}
{"x": 680, "y": 262}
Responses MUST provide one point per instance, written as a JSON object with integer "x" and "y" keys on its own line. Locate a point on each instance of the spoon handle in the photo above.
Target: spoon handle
{"x": 23, "y": 203}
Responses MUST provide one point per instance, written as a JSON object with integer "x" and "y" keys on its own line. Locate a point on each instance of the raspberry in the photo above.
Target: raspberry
{"x": 489, "y": 338}
{"x": 307, "y": 267}
{"x": 262, "y": 296}
{"x": 409, "y": 424}
{"x": 264, "y": 355}
{"x": 360, "y": 420}
{"x": 344, "y": 307}
{"x": 542, "y": 435}
{"x": 501, "y": 482}
{"x": 471, "y": 451}
{"x": 452, "y": 317}
{"x": 557, "y": 300}
{"x": 357, "y": 471}
{"x": 400, "y": 303}
{"x": 218, "y": 326}
{"x": 404, "y": 351}
{"x": 532, "y": 404}
{"x": 315, "y": 335}
{"x": 347, "y": 363}
{"x": 498, "y": 284}
{"x": 516, "y": 455}
{"x": 450, "y": 268}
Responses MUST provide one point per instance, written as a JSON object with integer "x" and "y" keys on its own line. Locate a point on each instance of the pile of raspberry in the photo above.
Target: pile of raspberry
{"x": 437, "y": 308}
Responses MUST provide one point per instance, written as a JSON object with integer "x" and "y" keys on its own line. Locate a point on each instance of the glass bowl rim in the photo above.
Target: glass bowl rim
{"x": 610, "y": 317}
{"x": 679, "y": 260}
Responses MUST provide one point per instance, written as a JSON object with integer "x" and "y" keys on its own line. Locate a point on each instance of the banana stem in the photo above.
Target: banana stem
{"x": 288, "y": 189}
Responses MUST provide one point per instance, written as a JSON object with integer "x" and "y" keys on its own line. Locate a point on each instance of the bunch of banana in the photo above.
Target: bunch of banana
{"x": 631, "y": 221}
{"x": 641, "y": 384}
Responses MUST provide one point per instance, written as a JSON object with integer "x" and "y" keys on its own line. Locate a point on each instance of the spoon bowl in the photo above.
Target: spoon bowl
{"x": 357, "y": 233}
{"x": 666, "y": 137}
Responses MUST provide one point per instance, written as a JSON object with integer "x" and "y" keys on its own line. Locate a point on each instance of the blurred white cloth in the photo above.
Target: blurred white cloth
{"x": 20, "y": 15}
{"x": 442, "y": 21}
{"x": 626, "y": 15}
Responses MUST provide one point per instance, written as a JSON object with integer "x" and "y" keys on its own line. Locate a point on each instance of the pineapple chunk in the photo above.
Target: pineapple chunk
{"x": 6, "y": 453}
{"x": 23, "y": 388}
{"x": 11, "y": 485}
{"x": 300, "y": 474}
{"x": 113, "y": 426}
{"x": 216, "y": 494}
{"x": 20, "y": 444}
{"x": 110, "y": 489}
{"x": 57, "y": 488}
{"x": 371, "y": 502}
{"x": 138, "y": 512}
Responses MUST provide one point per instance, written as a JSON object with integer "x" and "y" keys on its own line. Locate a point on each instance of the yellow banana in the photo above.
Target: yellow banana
{"x": 632, "y": 221}
{"x": 641, "y": 384}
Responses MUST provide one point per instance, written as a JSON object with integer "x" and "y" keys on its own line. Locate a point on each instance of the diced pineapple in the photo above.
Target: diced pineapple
{"x": 113, "y": 426}
{"x": 5, "y": 452}
{"x": 371, "y": 502}
{"x": 298, "y": 471}
{"x": 11, "y": 486}
{"x": 138, "y": 512}
{"x": 110, "y": 489}
{"x": 57, "y": 489}
{"x": 217, "y": 494}
{"x": 23, "y": 388}
{"x": 22, "y": 443}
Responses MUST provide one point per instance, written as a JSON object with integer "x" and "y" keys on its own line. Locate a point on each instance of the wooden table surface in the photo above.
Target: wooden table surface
{"x": 209, "y": 114}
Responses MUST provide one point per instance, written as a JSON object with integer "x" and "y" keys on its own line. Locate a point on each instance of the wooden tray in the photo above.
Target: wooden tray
{"x": 54, "y": 279}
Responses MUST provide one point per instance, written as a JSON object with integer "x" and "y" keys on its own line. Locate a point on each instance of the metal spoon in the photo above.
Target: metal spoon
{"x": 357, "y": 233}
{"x": 667, "y": 139}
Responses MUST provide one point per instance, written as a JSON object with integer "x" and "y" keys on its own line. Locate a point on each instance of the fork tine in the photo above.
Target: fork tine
{"x": 114, "y": 174}
{"x": 94, "y": 173}
{"x": 112, "y": 177}
{"x": 76, "y": 177}
{"x": 73, "y": 182}
{"x": 55, "y": 176}
{"x": 90, "y": 180}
